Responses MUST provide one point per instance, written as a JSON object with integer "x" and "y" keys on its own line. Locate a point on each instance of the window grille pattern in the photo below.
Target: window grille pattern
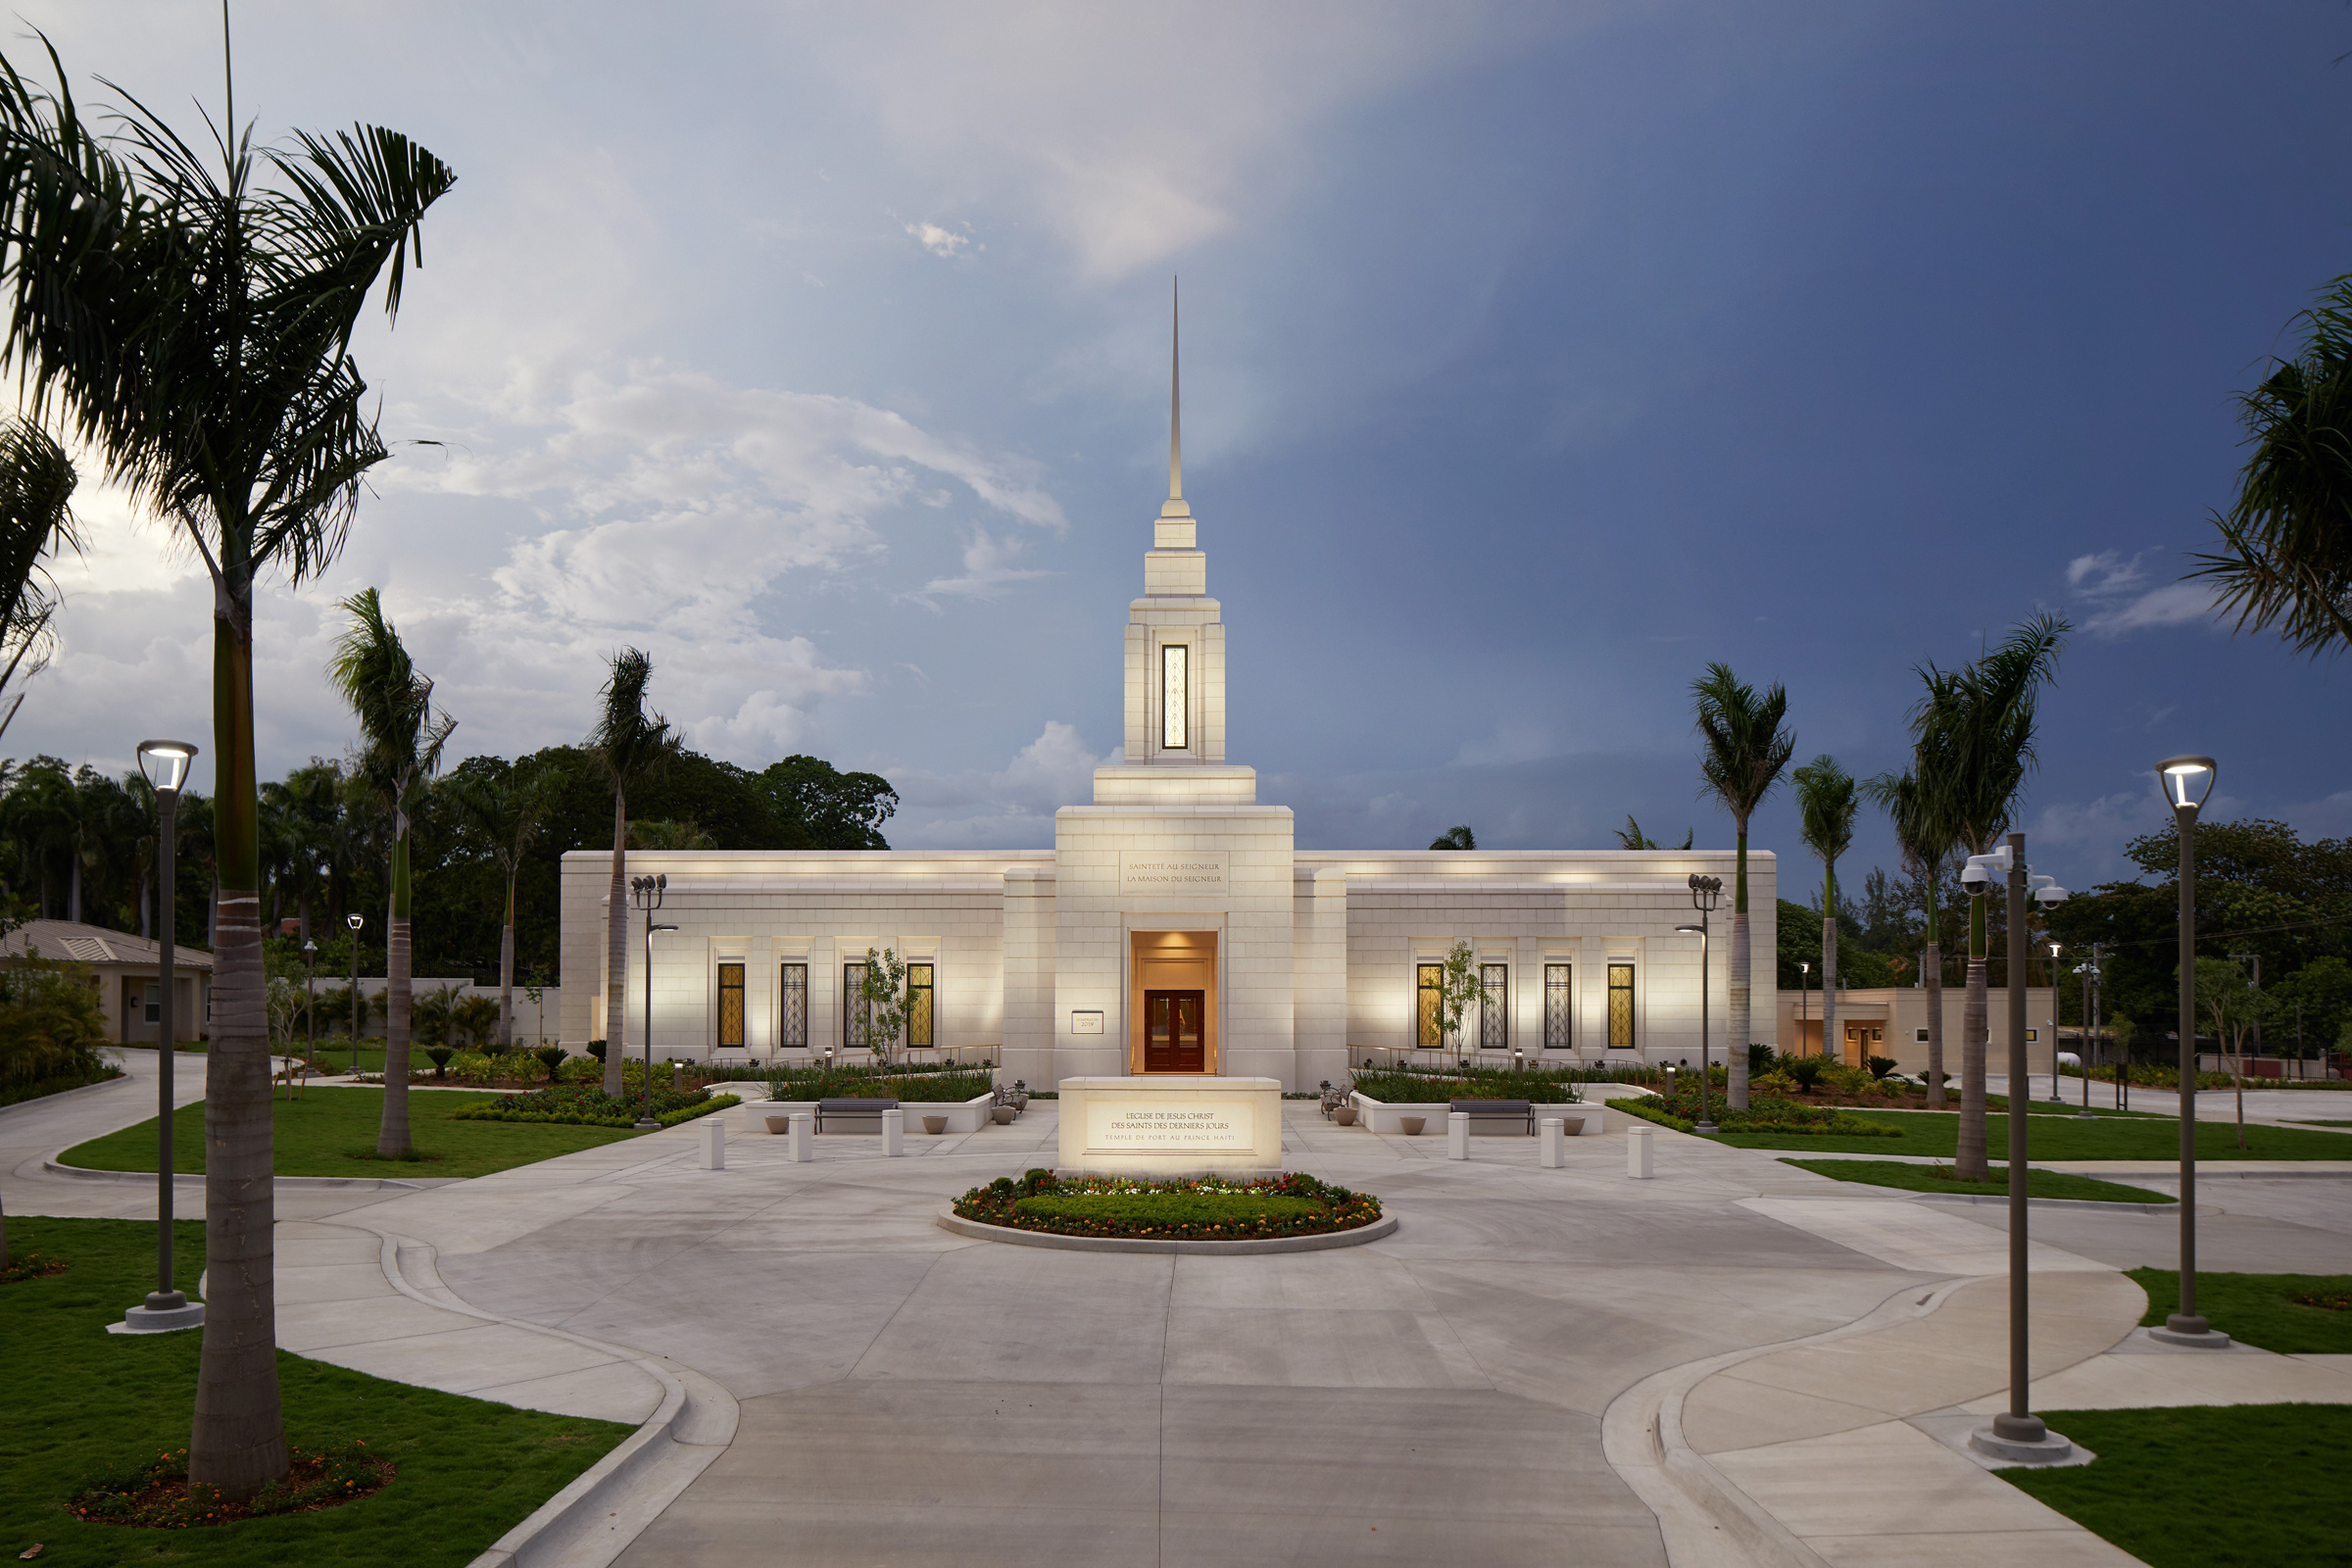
{"x": 1172, "y": 697}
{"x": 855, "y": 1012}
{"x": 795, "y": 1033}
{"x": 918, "y": 1005}
{"x": 730, "y": 1007}
{"x": 1621, "y": 1007}
{"x": 1559, "y": 1016}
{"x": 1494, "y": 1007}
{"x": 1428, "y": 1031}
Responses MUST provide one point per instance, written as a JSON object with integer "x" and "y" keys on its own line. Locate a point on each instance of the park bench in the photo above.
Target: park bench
{"x": 851, "y": 1107}
{"x": 1481, "y": 1109}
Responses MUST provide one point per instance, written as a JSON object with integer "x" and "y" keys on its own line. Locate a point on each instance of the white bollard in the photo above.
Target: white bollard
{"x": 1636, "y": 1152}
{"x": 796, "y": 1137}
{"x": 894, "y": 1132}
{"x": 715, "y": 1143}
{"x": 1551, "y": 1139}
{"x": 1457, "y": 1135}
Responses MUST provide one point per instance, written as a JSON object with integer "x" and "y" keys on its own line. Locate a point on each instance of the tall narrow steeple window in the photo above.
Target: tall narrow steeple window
{"x": 1172, "y": 697}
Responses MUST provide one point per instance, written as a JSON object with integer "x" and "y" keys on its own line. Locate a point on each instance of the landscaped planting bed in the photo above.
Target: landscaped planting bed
{"x": 580, "y": 1106}
{"x": 12, "y": 1094}
{"x": 1769, "y": 1117}
{"x": 1197, "y": 1210}
{"x": 1411, "y": 1085}
{"x": 948, "y": 1086}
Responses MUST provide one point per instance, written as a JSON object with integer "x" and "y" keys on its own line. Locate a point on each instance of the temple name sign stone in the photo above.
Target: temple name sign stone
{"x": 1170, "y": 1124}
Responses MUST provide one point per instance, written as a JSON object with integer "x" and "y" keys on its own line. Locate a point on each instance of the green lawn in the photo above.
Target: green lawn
{"x": 2206, "y": 1486}
{"x": 2259, "y": 1309}
{"x": 80, "y": 1399}
{"x": 331, "y": 1132}
{"x": 2109, "y": 1137}
{"x": 1925, "y": 1179}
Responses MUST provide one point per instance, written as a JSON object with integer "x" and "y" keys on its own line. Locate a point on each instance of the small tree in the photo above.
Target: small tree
{"x": 883, "y": 990}
{"x": 535, "y": 988}
{"x": 2230, "y": 1006}
{"x": 1457, "y": 988}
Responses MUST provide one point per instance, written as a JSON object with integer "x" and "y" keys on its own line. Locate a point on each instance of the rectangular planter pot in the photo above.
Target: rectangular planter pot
{"x": 963, "y": 1116}
{"x": 1589, "y": 1119}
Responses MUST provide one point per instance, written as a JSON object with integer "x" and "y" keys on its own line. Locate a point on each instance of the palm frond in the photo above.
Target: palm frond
{"x": 1827, "y": 806}
{"x": 1746, "y": 746}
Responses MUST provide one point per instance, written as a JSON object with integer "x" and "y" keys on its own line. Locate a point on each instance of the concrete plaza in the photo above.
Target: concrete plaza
{"x": 1735, "y": 1361}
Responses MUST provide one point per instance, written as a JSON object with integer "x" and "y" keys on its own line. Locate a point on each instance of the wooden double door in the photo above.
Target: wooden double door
{"x": 1173, "y": 1040}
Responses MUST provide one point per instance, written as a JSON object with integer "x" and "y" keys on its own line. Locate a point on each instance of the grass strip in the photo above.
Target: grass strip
{"x": 1940, "y": 1179}
{"x": 331, "y": 1132}
{"x": 2065, "y": 1138}
{"x": 468, "y": 1470}
{"x": 2280, "y": 1505}
{"x": 2259, "y": 1309}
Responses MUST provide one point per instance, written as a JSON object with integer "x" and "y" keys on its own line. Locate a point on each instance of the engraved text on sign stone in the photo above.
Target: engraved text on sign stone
{"x": 1163, "y": 1125}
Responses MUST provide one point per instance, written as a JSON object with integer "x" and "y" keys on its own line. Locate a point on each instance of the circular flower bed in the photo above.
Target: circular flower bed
{"x": 1206, "y": 1209}
{"x": 157, "y": 1494}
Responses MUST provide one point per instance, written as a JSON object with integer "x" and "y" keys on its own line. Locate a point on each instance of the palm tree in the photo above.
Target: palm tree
{"x": 508, "y": 810}
{"x": 1827, "y": 806}
{"x": 400, "y": 748}
{"x": 194, "y": 328}
{"x": 37, "y": 485}
{"x": 1927, "y": 843}
{"x": 1975, "y": 735}
{"x": 626, "y": 745}
{"x": 2286, "y": 542}
{"x": 1631, "y": 837}
{"x": 1746, "y": 749}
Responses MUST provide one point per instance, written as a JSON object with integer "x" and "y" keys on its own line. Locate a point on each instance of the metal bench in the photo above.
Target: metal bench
{"x": 1481, "y": 1109}
{"x": 850, "y": 1107}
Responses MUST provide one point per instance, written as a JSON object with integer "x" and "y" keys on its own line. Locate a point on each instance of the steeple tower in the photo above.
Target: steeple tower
{"x": 1175, "y": 656}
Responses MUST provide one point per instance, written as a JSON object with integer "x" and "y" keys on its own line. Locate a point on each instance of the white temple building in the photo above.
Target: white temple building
{"x": 1175, "y": 926}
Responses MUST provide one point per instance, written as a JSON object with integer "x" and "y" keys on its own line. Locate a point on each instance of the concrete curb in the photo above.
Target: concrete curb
{"x": 146, "y": 1177}
{"x": 64, "y": 1094}
{"x": 2111, "y": 1206}
{"x": 642, "y": 1474}
{"x": 1386, "y": 1225}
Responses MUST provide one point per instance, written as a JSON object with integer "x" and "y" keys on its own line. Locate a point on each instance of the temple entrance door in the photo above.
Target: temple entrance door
{"x": 1172, "y": 1041}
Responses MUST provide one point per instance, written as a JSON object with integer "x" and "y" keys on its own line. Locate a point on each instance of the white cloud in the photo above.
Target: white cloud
{"x": 1009, "y": 808}
{"x": 940, "y": 241}
{"x": 2114, "y": 589}
{"x": 988, "y": 570}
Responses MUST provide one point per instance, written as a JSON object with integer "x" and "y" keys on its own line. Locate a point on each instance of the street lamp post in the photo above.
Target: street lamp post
{"x": 2187, "y": 782}
{"x": 648, "y": 891}
{"x": 164, "y": 764}
{"x": 1804, "y": 1000}
{"x": 355, "y": 921}
{"x": 2083, "y": 969}
{"x": 2053, "y": 1025}
{"x": 310, "y": 998}
{"x": 1706, "y": 892}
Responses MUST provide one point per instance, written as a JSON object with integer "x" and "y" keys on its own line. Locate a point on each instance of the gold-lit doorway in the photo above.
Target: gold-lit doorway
{"x": 1172, "y": 961}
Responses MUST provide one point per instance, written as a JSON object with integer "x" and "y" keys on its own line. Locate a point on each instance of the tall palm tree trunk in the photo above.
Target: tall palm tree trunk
{"x": 237, "y": 1440}
{"x": 506, "y": 969}
{"x": 1970, "y": 1160}
{"x": 1934, "y": 962}
{"x": 1734, "y": 1094}
{"x": 392, "y": 1137}
{"x": 617, "y": 947}
{"x": 74, "y": 887}
{"x": 1831, "y": 1045}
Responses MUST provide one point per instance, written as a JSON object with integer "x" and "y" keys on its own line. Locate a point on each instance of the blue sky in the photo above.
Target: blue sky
{"x": 1535, "y": 357}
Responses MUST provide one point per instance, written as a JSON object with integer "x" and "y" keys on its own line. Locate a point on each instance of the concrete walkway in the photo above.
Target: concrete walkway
{"x": 1736, "y": 1362}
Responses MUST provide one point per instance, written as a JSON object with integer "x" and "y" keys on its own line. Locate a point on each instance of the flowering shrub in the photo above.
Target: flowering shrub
{"x": 1207, "y": 1210}
{"x": 158, "y": 1495}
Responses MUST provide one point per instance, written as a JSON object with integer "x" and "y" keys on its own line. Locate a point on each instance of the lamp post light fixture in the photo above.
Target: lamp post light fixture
{"x": 1706, "y": 894}
{"x": 1805, "y": 1001}
{"x": 2085, "y": 970}
{"x": 164, "y": 764}
{"x": 355, "y": 921}
{"x": 648, "y": 891}
{"x": 2186, "y": 782}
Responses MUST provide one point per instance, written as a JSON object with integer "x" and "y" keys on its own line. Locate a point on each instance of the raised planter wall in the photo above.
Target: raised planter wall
{"x": 1381, "y": 1118}
{"x": 963, "y": 1115}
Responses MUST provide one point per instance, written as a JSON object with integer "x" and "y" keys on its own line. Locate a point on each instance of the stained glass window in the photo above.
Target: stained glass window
{"x": 918, "y": 1004}
{"x": 795, "y": 1035}
{"x": 1559, "y": 1016}
{"x": 1430, "y": 1017}
{"x": 1621, "y": 1007}
{"x": 1172, "y": 697}
{"x": 1494, "y": 1007}
{"x": 730, "y": 1007}
{"x": 856, "y": 1010}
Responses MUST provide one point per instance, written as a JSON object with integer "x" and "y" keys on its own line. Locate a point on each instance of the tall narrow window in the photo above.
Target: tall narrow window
{"x": 793, "y": 1036}
{"x": 918, "y": 1005}
{"x": 1429, "y": 1019}
{"x": 1621, "y": 1007}
{"x": 730, "y": 1007}
{"x": 1559, "y": 1012}
{"x": 856, "y": 1010}
{"x": 1494, "y": 1007}
{"x": 1171, "y": 696}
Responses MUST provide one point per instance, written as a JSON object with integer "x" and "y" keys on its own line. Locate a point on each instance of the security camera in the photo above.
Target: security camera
{"x": 2052, "y": 893}
{"x": 1976, "y": 877}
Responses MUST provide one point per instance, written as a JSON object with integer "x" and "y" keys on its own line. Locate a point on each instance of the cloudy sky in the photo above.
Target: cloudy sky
{"x": 1535, "y": 357}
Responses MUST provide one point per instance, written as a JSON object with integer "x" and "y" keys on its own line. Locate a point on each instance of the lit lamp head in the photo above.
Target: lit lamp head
{"x": 1803, "y": 968}
{"x": 1691, "y": 930}
{"x": 2186, "y": 781}
{"x": 355, "y": 921}
{"x": 164, "y": 763}
{"x": 310, "y": 951}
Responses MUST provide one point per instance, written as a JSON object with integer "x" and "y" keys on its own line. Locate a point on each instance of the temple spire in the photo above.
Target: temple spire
{"x": 1175, "y": 507}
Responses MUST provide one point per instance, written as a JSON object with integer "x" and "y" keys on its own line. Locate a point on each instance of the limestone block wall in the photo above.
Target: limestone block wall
{"x": 1319, "y": 975}
{"x": 1029, "y": 961}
